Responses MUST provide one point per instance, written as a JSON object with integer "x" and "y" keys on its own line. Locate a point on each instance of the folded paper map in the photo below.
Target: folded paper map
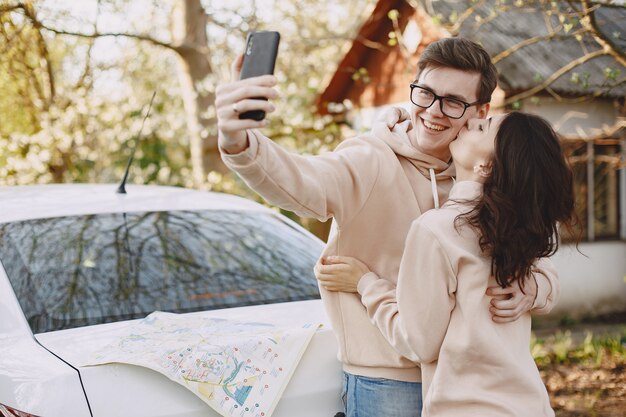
{"x": 238, "y": 368}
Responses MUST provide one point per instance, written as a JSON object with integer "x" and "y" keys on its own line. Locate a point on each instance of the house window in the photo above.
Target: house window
{"x": 599, "y": 187}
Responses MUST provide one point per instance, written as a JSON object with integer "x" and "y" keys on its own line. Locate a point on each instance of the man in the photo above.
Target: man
{"x": 373, "y": 187}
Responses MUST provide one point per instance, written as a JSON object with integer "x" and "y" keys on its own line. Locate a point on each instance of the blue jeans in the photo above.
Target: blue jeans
{"x": 378, "y": 397}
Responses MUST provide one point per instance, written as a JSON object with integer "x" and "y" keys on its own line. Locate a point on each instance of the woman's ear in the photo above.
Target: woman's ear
{"x": 483, "y": 169}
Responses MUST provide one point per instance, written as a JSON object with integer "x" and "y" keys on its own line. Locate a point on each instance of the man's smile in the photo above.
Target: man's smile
{"x": 433, "y": 126}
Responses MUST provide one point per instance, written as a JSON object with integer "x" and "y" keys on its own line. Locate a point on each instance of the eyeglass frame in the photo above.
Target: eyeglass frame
{"x": 440, "y": 98}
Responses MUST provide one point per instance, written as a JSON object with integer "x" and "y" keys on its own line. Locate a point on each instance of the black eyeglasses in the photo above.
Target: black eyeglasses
{"x": 451, "y": 107}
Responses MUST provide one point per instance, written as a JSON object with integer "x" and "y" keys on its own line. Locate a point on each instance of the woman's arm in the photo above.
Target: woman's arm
{"x": 415, "y": 320}
{"x": 413, "y": 316}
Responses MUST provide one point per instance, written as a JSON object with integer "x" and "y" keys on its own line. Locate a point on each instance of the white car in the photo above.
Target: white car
{"x": 77, "y": 259}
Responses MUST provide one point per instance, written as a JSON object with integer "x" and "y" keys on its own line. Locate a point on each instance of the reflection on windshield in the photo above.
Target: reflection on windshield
{"x": 76, "y": 271}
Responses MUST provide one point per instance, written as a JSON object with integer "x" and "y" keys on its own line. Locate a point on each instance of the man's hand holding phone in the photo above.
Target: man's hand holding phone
{"x": 243, "y": 103}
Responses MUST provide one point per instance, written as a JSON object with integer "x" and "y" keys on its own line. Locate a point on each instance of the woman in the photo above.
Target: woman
{"x": 513, "y": 186}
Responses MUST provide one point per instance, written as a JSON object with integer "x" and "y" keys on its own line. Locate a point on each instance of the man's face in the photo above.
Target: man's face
{"x": 434, "y": 130}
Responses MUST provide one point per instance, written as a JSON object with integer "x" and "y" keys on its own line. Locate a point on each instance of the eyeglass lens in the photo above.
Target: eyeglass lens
{"x": 449, "y": 106}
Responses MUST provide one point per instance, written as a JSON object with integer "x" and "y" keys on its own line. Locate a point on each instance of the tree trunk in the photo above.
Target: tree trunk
{"x": 189, "y": 22}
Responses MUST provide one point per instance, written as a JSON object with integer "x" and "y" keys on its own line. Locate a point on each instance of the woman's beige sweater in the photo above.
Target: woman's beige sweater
{"x": 439, "y": 316}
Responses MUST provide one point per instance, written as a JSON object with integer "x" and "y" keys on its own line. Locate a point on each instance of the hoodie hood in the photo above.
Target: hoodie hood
{"x": 401, "y": 139}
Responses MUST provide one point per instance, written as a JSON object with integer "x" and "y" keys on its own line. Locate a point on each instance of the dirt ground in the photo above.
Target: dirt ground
{"x": 585, "y": 375}
{"x": 584, "y": 390}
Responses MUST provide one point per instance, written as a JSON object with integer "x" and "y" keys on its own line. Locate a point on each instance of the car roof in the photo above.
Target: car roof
{"x": 60, "y": 200}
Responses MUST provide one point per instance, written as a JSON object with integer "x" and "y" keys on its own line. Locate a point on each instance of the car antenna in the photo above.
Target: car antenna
{"x": 122, "y": 188}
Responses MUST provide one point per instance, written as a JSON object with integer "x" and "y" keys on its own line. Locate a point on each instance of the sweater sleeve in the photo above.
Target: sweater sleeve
{"x": 414, "y": 317}
{"x": 548, "y": 286}
{"x": 334, "y": 184}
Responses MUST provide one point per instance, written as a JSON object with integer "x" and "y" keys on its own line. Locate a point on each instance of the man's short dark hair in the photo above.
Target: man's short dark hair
{"x": 462, "y": 54}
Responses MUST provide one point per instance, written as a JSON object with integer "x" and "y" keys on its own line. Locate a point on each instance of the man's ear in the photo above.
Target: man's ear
{"x": 484, "y": 169}
{"x": 483, "y": 110}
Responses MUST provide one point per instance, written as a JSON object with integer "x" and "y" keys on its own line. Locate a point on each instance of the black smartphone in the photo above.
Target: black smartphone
{"x": 259, "y": 59}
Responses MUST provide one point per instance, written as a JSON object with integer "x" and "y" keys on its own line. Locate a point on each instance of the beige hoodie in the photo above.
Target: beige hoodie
{"x": 438, "y": 316}
{"x": 373, "y": 186}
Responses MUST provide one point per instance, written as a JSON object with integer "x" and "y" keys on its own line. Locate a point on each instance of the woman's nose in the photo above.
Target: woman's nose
{"x": 472, "y": 124}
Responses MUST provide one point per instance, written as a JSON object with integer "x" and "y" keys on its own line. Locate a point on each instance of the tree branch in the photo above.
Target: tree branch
{"x": 29, "y": 13}
{"x": 8, "y": 9}
{"x": 531, "y": 41}
{"x": 604, "y": 132}
{"x": 87, "y": 69}
{"x": 10, "y": 38}
{"x": 114, "y": 34}
{"x": 465, "y": 15}
{"x": 548, "y": 81}
{"x": 39, "y": 25}
{"x": 605, "y": 43}
{"x": 576, "y": 100}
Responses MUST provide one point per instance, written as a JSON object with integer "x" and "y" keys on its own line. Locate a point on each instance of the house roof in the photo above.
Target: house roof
{"x": 390, "y": 69}
{"x": 370, "y": 57}
{"x": 501, "y": 28}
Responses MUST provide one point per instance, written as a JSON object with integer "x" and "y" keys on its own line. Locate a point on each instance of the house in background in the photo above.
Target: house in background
{"x": 585, "y": 103}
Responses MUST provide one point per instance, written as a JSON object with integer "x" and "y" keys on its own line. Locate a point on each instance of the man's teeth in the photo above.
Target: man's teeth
{"x": 433, "y": 126}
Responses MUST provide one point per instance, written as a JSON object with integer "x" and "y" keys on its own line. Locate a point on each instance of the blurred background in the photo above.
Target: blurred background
{"x": 76, "y": 78}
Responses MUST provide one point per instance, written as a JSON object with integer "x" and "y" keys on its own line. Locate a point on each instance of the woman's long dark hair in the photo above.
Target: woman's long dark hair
{"x": 529, "y": 191}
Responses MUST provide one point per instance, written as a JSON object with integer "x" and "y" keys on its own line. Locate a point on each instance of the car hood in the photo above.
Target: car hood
{"x": 123, "y": 389}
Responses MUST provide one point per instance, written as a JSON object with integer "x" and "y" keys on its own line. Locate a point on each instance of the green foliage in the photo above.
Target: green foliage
{"x": 581, "y": 79}
{"x": 561, "y": 349}
{"x": 20, "y": 80}
{"x": 84, "y": 132}
{"x": 454, "y": 16}
{"x": 612, "y": 73}
{"x": 362, "y": 74}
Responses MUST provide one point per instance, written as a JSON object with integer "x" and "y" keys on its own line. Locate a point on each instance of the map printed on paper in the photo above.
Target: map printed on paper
{"x": 238, "y": 368}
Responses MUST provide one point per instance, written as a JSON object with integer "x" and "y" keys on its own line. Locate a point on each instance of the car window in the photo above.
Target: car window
{"x": 83, "y": 270}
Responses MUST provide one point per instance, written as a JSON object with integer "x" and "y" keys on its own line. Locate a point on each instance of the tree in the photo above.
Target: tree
{"x": 77, "y": 132}
{"x": 77, "y": 76}
{"x": 200, "y": 38}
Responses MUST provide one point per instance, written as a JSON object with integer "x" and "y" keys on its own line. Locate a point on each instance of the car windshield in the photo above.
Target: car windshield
{"x": 83, "y": 270}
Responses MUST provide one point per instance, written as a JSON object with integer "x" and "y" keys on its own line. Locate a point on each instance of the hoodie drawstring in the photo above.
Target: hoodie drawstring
{"x": 433, "y": 184}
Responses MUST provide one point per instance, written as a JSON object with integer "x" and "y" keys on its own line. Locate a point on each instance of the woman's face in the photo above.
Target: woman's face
{"x": 475, "y": 143}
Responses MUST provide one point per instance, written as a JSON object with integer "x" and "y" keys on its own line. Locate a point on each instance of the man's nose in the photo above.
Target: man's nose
{"x": 435, "y": 108}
